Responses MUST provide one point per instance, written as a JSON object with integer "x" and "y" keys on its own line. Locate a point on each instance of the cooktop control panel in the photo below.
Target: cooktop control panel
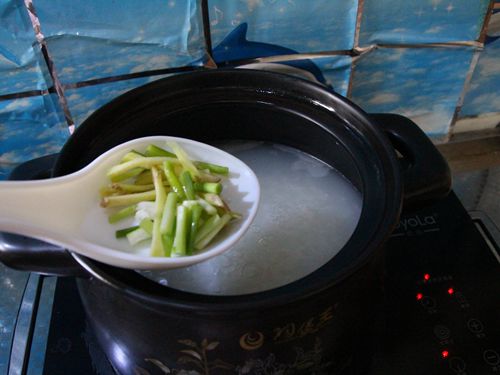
{"x": 442, "y": 308}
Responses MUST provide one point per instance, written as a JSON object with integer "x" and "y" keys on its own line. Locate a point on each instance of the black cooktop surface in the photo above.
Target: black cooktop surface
{"x": 442, "y": 307}
{"x": 440, "y": 315}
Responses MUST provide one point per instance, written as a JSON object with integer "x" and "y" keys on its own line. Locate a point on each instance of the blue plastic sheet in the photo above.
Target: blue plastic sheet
{"x": 483, "y": 96}
{"x": 20, "y": 61}
{"x": 90, "y": 40}
{"x": 300, "y": 25}
{"x": 96, "y": 39}
{"x": 422, "y": 21}
{"x": 336, "y": 70}
{"x": 83, "y": 101}
{"x": 333, "y": 71}
{"x": 29, "y": 128}
{"x": 421, "y": 83}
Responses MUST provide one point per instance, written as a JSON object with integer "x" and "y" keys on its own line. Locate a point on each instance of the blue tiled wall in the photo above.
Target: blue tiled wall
{"x": 417, "y": 58}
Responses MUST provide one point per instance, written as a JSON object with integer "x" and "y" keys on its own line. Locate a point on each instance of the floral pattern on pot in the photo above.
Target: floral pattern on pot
{"x": 196, "y": 359}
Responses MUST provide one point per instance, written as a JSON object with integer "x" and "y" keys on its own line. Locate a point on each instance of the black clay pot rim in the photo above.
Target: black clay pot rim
{"x": 316, "y": 282}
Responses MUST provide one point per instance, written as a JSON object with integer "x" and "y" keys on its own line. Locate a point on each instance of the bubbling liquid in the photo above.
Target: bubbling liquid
{"x": 307, "y": 213}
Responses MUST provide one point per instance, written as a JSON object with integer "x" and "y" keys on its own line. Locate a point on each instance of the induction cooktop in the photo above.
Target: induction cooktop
{"x": 440, "y": 313}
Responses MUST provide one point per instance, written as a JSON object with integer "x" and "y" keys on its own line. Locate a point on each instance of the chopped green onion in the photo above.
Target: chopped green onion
{"x": 146, "y": 225}
{"x": 145, "y": 178}
{"x": 209, "y": 209}
{"x": 235, "y": 215}
{"x": 161, "y": 195}
{"x": 167, "y": 242}
{"x": 169, "y": 213}
{"x": 153, "y": 150}
{"x": 183, "y": 157}
{"x": 187, "y": 185}
{"x": 214, "y": 168}
{"x": 181, "y": 231}
{"x": 156, "y": 243}
{"x": 137, "y": 236}
{"x": 123, "y": 232}
{"x": 130, "y": 188}
{"x": 157, "y": 249}
{"x": 208, "y": 187}
{"x": 121, "y": 188}
{"x": 126, "y": 175}
{"x": 122, "y": 214}
{"x": 176, "y": 201}
{"x": 207, "y": 227}
{"x": 214, "y": 200}
{"x": 172, "y": 178}
{"x": 131, "y": 155}
{"x": 128, "y": 199}
{"x": 107, "y": 190}
{"x": 196, "y": 211}
{"x": 207, "y": 177}
{"x": 140, "y": 162}
{"x": 221, "y": 223}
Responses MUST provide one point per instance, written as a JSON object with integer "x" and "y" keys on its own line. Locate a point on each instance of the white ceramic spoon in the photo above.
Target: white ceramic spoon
{"x": 65, "y": 211}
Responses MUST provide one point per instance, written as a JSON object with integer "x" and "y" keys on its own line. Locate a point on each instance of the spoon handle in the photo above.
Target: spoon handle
{"x": 41, "y": 208}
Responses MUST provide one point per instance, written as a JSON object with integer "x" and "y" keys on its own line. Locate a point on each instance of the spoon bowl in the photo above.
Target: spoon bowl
{"x": 65, "y": 211}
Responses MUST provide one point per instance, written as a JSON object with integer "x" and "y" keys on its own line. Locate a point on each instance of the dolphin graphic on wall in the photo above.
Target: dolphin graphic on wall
{"x": 235, "y": 47}
{"x": 493, "y": 30}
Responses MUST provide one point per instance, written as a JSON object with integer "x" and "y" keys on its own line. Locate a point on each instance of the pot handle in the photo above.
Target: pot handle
{"x": 426, "y": 173}
{"x": 28, "y": 254}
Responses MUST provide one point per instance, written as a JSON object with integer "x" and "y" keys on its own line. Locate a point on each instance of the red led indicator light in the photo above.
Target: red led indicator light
{"x": 450, "y": 291}
{"x": 419, "y": 296}
{"x": 427, "y": 277}
{"x": 445, "y": 353}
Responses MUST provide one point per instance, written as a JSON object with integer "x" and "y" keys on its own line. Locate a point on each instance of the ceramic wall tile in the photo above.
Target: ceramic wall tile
{"x": 20, "y": 61}
{"x": 285, "y": 26}
{"x": 423, "y": 21}
{"x": 421, "y": 83}
{"x": 29, "y": 128}
{"x": 90, "y": 39}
